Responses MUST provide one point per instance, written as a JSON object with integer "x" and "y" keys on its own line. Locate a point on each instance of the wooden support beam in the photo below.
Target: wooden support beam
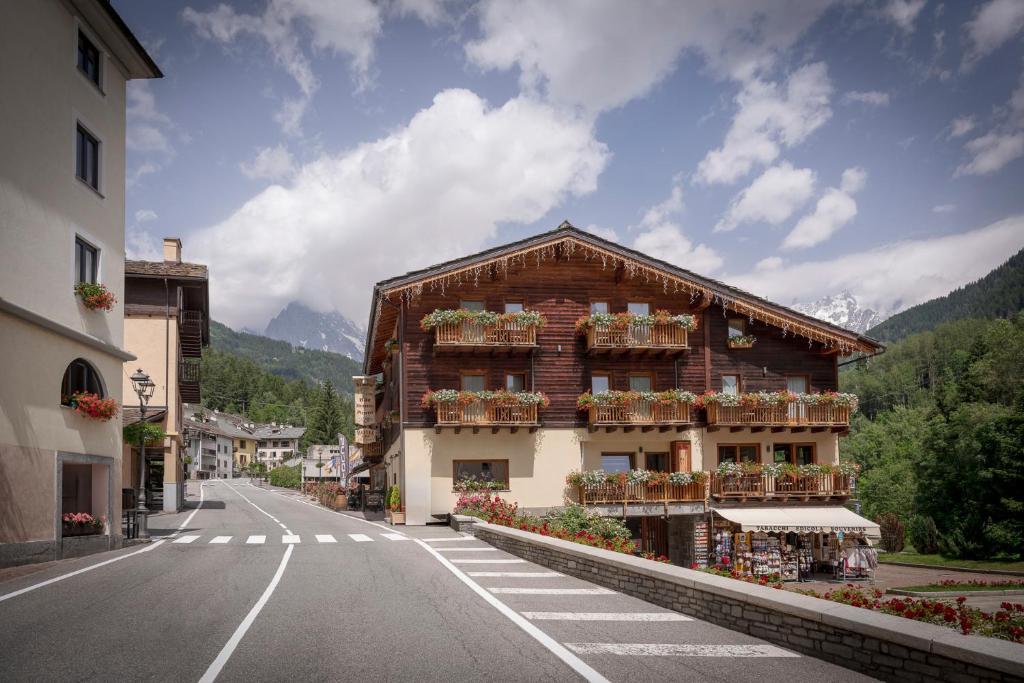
{"x": 664, "y": 428}
{"x": 713, "y": 428}
{"x": 476, "y": 430}
{"x": 458, "y": 430}
{"x": 513, "y": 430}
{"x": 797, "y": 430}
{"x": 755, "y": 430}
{"x": 735, "y": 429}
{"x": 628, "y": 429}
{"x": 776, "y": 430}
{"x": 818, "y": 430}
{"x": 533, "y": 429}
{"x": 437, "y": 429}
{"x": 610, "y": 429}
{"x": 646, "y": 428}
{"x": 494, "y": 430}
{"x": 680, "y": 428}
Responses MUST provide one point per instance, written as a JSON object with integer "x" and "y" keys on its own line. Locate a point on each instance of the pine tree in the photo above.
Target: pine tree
{"x": 325, "y": 421}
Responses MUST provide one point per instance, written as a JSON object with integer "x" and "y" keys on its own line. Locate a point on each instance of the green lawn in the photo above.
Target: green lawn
{"x": 962, "y": 587}
{"x": 940, "y": 561}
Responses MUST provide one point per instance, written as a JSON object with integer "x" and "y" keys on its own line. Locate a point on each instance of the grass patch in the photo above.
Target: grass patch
{"x": 940, "y": 561}
{"x": 962, "y": 587}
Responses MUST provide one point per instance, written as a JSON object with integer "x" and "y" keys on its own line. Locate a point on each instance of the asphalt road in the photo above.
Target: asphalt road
{"x": 262, "y": 585}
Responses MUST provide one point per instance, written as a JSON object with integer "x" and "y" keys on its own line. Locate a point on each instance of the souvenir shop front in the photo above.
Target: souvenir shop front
{"x": 798, "y": 543}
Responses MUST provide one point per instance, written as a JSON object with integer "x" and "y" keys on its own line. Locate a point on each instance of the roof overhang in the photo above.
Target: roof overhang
{"x": 800, "y": 520}
{"x": 102, "y": 18}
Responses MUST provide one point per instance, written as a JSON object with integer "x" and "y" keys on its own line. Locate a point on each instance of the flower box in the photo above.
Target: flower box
{"x": 75, "y": 530}
{"x": 743, "y": 342}
{"x": 95, "y": 297}
{"x": 397, "y": 517}
{"x": 93, "y": 407}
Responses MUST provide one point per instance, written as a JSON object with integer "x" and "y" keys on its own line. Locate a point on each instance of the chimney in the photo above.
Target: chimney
{"x": 172, "y": 250}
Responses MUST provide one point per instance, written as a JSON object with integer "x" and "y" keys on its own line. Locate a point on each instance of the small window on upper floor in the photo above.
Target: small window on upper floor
{"x": 88, "y": 59}
{"x": 640, "y": 383}
{"x": 639, "y": 308}
{"x": 515, "y": 381}
{"x": 474, "y": 382}
{"x": 731, "y": 384}
{"x": 80, "y": 377}
{"x": 86, "y": 261}
{"x": 598, "y": 307}
{"x": 599, "y": 383}
{"x": 737, "y": 327}
{"x": 514, "y": 306}
{"x": 472, "y": 305}
{"x": 87, "y": 158}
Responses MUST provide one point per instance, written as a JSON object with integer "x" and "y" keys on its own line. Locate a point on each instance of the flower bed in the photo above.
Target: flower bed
{"x": 973, "y": 585}
{"x": 623, "y": 321}
{"x": 81, "y": 524}
{"x": 95, "y": 297}
{"x": 502, "y": 397}
{"x": 588, "y": 400}
{"x": 457, "y": 316}
{"x": 93, "y": 407}
{"x": 1006, "y": 623}
{"x": 723, "y": 569}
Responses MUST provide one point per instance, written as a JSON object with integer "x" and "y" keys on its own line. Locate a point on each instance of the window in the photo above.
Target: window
{"x": 616, "y": 462}
{"x": 88, "y": 59}
{"x": 241, "y": 443}
{"x": 598, "y": 307}
{"x": 80, "y": 376}
{"x": 737, "y": 327}
{"x": 638, "y": 308}
{"x": 515, "y": 381}
{"x": 87, "y": 158}
{"x": 86, "y": 260}
{"x": 472, "y": 305}
{"x": 731, "y": 384}
{"x": 640, "y": 383}
{"x": 599, "y": 383}
{"x": 473, "y": 382}
{"x": 514, "y": 306}
{"x": 795, "y": 454}
{"x": 657, "y": 462}
{"x": 742, "y": 452}
{"x": 481, "y": 470}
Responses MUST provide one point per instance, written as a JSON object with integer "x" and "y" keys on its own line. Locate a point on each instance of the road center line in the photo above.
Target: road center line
{"x": 225, "y": 654}
{"x": 287, "y": 531}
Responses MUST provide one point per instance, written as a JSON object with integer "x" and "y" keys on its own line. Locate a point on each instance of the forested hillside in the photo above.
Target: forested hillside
{"x": 284, "y": 360}
{"x": 997, "y": 295}
{"x": 940, "y": 434}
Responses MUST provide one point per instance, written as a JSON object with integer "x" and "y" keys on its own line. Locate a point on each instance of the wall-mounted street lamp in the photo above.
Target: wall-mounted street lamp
{"x": 144, "y": 387}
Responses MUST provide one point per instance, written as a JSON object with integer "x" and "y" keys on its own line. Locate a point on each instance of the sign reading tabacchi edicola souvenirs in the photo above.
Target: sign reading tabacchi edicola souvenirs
{"x": 364, "y": 403}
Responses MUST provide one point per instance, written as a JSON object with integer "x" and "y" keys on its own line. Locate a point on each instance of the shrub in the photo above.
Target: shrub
{"x": 288, "y": 477}
{"x": 893, "y": 533}
{"x": 923, "y": 534}
{"x": 394, "y": 499}
{"x": 575, "y": 518}
{"x": 152, "y": 433}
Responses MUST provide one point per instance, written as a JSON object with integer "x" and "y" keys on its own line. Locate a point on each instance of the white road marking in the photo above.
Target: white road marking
{"x": 676, "y": 650}
{"x": 325, "y": 538}
{"x": 256, "y": 540}
{"x": 556, "y": 648}
{"x": 360, "y": 538}
{"x": 257, "y": 507}
{"x": 467, "y": 550}
{"x": 452, "y": 538}
{"x": 290, "y": 538}
{"x": 518, "y": 575}
{"x": 220, "y": 539}
{"x": 236, "y": 637}
{"x": 185, "y": 539}
{"x": 282, "y": 525}
{"x": 396, "y": 537}
{"x": 181, "y": 527}
{"x": 606, "y": 616}
{"x": 552, "y": 591}
{"x": 461, "y": 561}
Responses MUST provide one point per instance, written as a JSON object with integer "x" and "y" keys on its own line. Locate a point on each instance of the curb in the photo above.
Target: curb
{"x": 1000, "y": 572}
{"x": 948, "y": 594}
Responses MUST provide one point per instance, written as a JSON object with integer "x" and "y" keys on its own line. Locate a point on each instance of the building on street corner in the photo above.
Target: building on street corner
{"x": 64, "y": 66}
{"x": 276, "y": 443}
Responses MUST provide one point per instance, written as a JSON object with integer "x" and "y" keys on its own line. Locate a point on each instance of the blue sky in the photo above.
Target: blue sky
{"x": 307, "y": 149}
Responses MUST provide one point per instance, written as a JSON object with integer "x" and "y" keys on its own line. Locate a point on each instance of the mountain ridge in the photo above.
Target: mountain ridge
{"x": 301, "y": 326}
{"x": 841, "y": 309}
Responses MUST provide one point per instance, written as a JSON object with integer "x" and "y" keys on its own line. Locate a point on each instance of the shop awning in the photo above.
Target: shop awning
{"x": 800, "y": 520}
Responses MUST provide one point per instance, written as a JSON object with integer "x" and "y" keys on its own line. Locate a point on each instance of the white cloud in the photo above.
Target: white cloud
{"x": 835, "y": 208}
{"x": 148, "y": 131}
{"x": 772, "y": 198}
{"x": 894, "y": 276}
{"x": 992, "y": 26}
{"x": 606, "y": 233}
{"x": 600, "y": 54}
{"x": 874, "y": 98}
{"x": 145, "y": 215}
{"x": 140, "y": 245}
{"x": 661, "y": 236}
{"x": 944, "y": 208}
{"x": 961, "y": 126}
{"x": 373, "y": 209}
{"x": 903, "y": 13}
{"x": 430, "y": 12}
{"x": 348, "y": 27}
{"x": 271, "y": 163}
{"x": 991, "y": 152}
{"x": 769, "y": 263}
{"x": 769, "y": 117}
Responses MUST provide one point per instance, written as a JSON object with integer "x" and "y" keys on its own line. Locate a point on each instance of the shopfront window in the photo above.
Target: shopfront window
{"x": 737, "y": 453}
{"x": 481, "y": 470}
{"x": 616, "y": 462}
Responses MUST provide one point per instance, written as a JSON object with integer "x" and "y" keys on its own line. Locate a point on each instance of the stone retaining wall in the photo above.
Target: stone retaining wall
{"x": 880, "y": 645}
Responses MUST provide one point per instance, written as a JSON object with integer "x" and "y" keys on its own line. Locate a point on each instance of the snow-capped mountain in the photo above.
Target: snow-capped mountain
{"x": 843, "y": 310}
{"x": 300, "y": 325}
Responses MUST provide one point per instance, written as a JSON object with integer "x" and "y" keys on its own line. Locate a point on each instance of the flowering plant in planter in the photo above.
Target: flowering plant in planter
{"x": 638, "y": 476}
{"x": 684, "y": 478}
{"x": 623, "y": 321}
{"x": 455, "y": 316}
{"x": 390, "y": 345}
{"x": 742, "y": 341}
{"x": 848, "y": 468}
{"x": 95, "y": 296}
{"x": 768, "y": 398}
{"x": 81, "y": 523}
{"x": 501, "y": 397}
{"x": 729, "y": 469}
{"x": 833, "y": 398}
{"x": 718, "y": 398}
{"x": 670, "y": 396}
{"x": 92, "y": 406}
{"x": 468, "y": 483}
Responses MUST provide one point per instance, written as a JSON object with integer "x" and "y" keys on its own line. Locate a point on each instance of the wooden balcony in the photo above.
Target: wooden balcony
{"x": 475, "y": 337}
{"x": 647, "y": 415}
{"x": 188, "y": 381}
{"x": 483, "y": 413}
{"x": 762, "y": 487}
{"x": 795, "y": 417}
{"x": 645, "y": 493}
{"x": 656, "y": 339}
{"x": 190, "y": 333}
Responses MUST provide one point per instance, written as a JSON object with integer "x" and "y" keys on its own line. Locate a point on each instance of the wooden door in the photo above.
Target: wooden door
{"x": 681, "y": 456}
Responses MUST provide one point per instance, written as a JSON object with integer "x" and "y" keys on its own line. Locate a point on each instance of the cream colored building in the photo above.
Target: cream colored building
{"x": 166, "y": 325}
{"x": 64, "y": 66}
{"x": 276, "y": 443}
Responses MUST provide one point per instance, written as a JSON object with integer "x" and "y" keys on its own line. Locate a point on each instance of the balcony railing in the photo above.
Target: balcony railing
{"x": 766, "y": 486}
{"x": 188, "y": 381}
{"x": 794, "y": 414}
{"x": 472, "y": 334}
{"x": 639, "y": 412}
{"x": 656, "y": 336}
{"x": 484, "y": 412}
{"x": 646, "y": 492}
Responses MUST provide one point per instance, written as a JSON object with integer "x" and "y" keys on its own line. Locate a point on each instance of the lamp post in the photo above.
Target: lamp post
{"x": 144, "y": 387}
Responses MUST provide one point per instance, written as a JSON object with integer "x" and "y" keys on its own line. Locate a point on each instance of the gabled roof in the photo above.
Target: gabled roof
{"x": 279, "y": 432}
{"x": 568, "y": 241}
{"x": 175, "y": 269}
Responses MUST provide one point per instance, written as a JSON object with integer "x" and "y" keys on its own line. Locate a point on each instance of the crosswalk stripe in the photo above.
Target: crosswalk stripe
{"x": 467, "y": 550}
{"x": 460, "y": 561}
{"x": 290, "y": 538}
{"x": 325, "y": 538}
{"x": 676, "y": 650}
{"x": 552, "y": 591}
{"x": 518, "y": 575}
{"x": 185, "y": 539}
{"x": 451, "y": 538}
{"x": 395, "y": 537}
{"x": 606, "y": 616}
{"x": 220, "y": 539}
{"x": 256, "y": 539}
{"x": 360, "y": 538}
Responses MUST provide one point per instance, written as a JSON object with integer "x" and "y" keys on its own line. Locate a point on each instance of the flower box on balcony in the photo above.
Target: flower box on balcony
{"x": 644, "y": 408}
{"x": 661, "y": 331}
{"x": 742, "y": 342}
{"x": 779, "y": 408}
{"x": 463, "y": 328}
{"x": 95, "y": 296}
{"x": 490, "y": 408}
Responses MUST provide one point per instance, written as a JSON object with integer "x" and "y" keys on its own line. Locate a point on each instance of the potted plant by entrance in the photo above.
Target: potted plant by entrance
{"x": 81, "y": 524}
{"x": 395, "y": 506}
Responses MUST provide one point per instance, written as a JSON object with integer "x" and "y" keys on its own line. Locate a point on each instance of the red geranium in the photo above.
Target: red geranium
{"x": 92, "y": 406}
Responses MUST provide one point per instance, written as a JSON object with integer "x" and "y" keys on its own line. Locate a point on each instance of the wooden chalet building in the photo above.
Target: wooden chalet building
{"x": 618, "y": 390}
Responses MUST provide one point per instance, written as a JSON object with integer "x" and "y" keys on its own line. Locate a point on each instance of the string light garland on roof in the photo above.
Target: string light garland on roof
{"x": 569, "y": 247}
